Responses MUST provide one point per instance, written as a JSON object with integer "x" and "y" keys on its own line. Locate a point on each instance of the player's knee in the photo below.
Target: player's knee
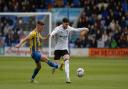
{"x": 44, "y": 58}
{"x": 66, "y": 57}
{"x": 39, "y": 67}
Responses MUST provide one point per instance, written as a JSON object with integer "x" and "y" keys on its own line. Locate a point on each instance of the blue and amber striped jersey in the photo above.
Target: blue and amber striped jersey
{"x": 35, "y": 43}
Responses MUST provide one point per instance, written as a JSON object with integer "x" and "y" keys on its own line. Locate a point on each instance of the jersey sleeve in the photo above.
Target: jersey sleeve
{"x": 40, "y": 36}
{"x": 31, "y": 35}
{"x": 77, "y": 29}
{"x": 54, "y": 32}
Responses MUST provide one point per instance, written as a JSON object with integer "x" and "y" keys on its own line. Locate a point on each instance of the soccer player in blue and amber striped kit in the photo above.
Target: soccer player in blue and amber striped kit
{"x": 34, "y": 38}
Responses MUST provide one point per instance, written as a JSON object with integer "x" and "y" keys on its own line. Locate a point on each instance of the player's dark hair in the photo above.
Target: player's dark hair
{"x": 65, "y": 20}
{"x": 40, "y": 22}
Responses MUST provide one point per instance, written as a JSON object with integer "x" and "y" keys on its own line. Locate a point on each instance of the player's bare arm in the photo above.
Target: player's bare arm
{"x": 45, "y": 37}
{"x": 22, "y": 41}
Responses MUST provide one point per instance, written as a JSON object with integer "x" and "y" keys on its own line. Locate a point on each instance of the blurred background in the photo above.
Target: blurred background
{"x": 107, "y": 21}
{"x": 107, "y": 38}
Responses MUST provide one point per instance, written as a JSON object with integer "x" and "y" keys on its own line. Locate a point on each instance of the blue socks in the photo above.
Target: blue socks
{"x": 35, "y": 72}
{"x": 52, "y": 64}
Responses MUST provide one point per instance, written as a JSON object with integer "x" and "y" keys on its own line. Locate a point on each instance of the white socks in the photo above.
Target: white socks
{"x": 67, "y": 69}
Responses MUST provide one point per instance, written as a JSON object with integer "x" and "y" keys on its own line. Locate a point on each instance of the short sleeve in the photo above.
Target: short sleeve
{"x": 31, "y": 35}
{"x": 54, "y": 32}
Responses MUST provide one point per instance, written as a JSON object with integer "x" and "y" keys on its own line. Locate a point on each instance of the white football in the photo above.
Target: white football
{"x": 80, "y": 72}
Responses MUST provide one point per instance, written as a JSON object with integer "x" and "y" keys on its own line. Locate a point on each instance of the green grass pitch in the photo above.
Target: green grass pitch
{"x": 100, "y": 73}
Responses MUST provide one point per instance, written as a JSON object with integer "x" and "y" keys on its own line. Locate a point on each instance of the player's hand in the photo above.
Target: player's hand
{"x": 86, "y": 29}
{"x": 82, "y": 33}
{"x": 47, "y": 36}
{"x": 18, "y": 46}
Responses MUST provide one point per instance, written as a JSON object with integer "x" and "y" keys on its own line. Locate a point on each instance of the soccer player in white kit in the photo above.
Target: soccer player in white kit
{"x": 61, "y": 34}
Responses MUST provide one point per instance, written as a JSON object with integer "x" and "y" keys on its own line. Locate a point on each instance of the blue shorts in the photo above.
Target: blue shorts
{"x": 36, "y": 56}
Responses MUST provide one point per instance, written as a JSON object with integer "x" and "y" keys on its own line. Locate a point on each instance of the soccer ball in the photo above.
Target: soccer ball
{"x": 80, "y": 72}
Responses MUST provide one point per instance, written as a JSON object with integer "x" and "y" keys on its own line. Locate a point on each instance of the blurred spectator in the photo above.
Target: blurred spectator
{"x": 16, "y": 38}
{"x": 7, "y": 28}
{"x": 93, "y": 43}
{"x": 59, "y": 3}
{"x": 107, "y": 20}
{"x": 112, "y": 25}
{"x": 105, "y": 38}
{"x": 1, "y": 41}
{"x": 100, "y": 43}
{"x": 9, "y": 40}
{"x": 123, "y": 41}
{"x": 113, "y": 44}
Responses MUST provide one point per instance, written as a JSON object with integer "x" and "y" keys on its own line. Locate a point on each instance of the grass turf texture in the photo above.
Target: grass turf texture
{"x": 100, "y": 73}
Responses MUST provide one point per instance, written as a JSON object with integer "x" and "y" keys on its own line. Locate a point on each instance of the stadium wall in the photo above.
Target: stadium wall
{"x": 11, "y": 51}
{"x": 108, "y": 52}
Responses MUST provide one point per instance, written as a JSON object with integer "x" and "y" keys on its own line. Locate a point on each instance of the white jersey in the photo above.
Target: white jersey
{"x": 61, "y": 36}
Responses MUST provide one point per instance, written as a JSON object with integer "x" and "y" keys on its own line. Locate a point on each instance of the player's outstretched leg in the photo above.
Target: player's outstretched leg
{"x": 37, "y": 69}
{"x": 60, "y": 67}
{"x": 50, "y": 63}
{"x": 66, "y": 62}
